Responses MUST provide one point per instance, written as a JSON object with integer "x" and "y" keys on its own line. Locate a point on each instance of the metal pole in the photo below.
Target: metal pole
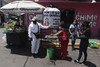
{"x": 1, "y": 3}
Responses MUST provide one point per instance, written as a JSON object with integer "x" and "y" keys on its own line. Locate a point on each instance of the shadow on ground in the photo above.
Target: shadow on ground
{"x": 25, "y": 50}
{"x": 90, "y": 64}
{"x": 20, "y": 50}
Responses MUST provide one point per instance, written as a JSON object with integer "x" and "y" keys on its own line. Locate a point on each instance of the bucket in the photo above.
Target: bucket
{"x": 49, "y": 53}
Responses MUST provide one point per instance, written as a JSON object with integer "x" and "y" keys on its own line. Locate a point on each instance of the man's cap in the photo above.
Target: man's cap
{"x": 34, "y": 18}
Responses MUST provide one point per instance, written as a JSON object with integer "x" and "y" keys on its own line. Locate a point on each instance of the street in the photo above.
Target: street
{"x": 21, "y": 57}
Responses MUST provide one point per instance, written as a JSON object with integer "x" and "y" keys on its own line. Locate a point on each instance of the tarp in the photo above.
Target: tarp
{"x": 22, "y": 6}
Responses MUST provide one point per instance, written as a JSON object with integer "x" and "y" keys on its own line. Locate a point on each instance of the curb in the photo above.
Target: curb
{"x": 76, "y": 44}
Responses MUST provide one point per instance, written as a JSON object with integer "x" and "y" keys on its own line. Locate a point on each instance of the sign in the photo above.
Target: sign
{"x": 92, "y": 18}
{"x": 51, "y": 16}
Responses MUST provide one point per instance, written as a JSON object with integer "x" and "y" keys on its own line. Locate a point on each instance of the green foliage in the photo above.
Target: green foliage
{"x": 10, "y": 26}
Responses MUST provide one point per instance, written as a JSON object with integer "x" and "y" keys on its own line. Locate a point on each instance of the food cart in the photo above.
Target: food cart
{"x": 16, "y": 12}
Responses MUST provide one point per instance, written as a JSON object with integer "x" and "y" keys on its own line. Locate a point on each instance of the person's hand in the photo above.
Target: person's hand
{"x": 49, "y": 25}
{"x": 51, "y": 34}
{"x": 71, "y": 33}
{"x": 30, "y": 39}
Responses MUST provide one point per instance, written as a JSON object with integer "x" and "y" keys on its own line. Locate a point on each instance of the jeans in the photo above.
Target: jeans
{"x": 73, "y": 40}
{"x": 83, "y": 49}
{"x": 80, "y": 55}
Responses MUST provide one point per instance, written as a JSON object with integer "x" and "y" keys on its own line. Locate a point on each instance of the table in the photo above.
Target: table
{"x": 51, "y": 41}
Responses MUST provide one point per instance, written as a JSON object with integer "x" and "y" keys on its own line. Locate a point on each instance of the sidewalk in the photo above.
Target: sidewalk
{"x": 21, "y": 57}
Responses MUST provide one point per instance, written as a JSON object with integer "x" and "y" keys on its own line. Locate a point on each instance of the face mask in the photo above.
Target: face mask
{"x": 34, "y": 22}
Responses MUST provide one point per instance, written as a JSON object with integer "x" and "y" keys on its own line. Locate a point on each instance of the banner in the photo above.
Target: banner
{"x": 51, "y": 16}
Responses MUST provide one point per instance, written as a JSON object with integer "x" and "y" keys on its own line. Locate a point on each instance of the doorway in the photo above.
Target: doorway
{"x": 67, "y": 16}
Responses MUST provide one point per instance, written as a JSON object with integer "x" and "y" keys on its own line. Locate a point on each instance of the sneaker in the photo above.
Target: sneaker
{"x": 73, "y": 49}
{"x": 63, "y": 58}
{"x": 84, "y": 62}
{"x": 35, "y": 55}
{"x": 76, "y": 61}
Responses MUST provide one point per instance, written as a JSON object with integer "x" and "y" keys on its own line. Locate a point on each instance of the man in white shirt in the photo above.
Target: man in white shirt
{"x": 73, "y": 29}
{"x": 33, "y": 29}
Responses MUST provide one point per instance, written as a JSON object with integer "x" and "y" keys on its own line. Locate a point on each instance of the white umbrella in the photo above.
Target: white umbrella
{"x": 22, "y": 6}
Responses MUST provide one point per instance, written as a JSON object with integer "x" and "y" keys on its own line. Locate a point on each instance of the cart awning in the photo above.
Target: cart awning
{"x": 22, "y": 6}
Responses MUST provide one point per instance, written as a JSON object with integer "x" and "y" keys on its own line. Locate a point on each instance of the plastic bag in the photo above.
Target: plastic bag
{"x": 4, "y": 37}
{"x": 93, "y": 44}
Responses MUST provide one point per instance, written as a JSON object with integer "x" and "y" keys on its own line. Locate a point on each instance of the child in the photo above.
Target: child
{"x": 63, "y": 38}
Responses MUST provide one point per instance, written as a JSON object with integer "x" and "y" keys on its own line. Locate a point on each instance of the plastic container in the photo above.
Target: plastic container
{"x": 49, "y": 53}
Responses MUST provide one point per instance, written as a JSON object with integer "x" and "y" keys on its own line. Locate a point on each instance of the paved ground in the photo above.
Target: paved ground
{"x": 21, "y": 57}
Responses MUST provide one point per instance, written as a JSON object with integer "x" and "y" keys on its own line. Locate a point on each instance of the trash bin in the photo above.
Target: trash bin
{"x": 49, "y": 53}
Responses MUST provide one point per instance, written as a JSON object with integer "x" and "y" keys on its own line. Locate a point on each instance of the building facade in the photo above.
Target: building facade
{"x": 84, "y": 10}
